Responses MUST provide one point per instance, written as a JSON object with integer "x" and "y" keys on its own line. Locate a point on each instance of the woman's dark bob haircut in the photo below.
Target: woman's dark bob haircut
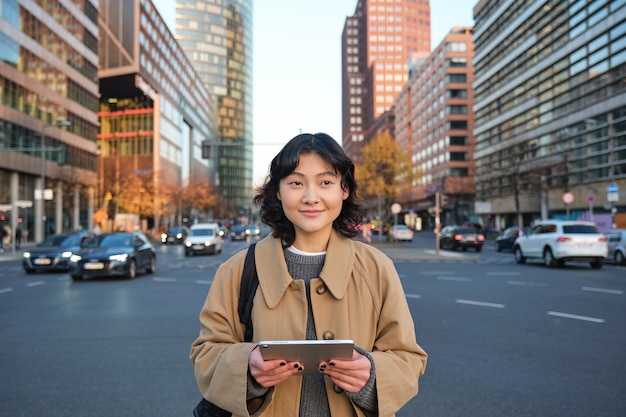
{"x": 283, "y": 164}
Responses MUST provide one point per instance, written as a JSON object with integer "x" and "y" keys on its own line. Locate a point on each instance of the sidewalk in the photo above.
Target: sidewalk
{"x": 10, "y": 255}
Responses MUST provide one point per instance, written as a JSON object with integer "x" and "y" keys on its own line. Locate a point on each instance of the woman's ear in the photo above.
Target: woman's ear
{"x": 278, "y": 195}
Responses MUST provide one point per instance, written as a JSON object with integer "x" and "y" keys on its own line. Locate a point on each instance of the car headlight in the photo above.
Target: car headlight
{"x": 66, "y": 254}
{"x": 163, "y": 236}
{"x": 207, "y": 243}
{"x": 122, "y": 257}
{"x": 75, "y": 258}
{"x": 187, "y": 243}
{"x": 179, "y": 236}
{"x": 26, "y": 254}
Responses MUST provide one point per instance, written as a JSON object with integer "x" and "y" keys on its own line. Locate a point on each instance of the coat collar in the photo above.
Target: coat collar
{"x": 274, "y": 279}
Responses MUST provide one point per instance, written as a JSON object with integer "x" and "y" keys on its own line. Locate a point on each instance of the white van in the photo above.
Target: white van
{"x": 203, "y": 238}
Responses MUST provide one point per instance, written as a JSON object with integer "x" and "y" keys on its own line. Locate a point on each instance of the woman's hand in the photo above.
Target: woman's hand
{"x": 349, "y": 375}
{"x": 272, "y": 372}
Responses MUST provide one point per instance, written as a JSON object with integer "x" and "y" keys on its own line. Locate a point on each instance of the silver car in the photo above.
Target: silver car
{"x": 616, "y": 241}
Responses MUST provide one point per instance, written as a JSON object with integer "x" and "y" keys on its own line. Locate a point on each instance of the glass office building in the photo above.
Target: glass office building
{"x": 216, "y": 35}
{"x": 48, "y": 115}
{"x": 550, "y": 108}
{"x": 154, "y": 112}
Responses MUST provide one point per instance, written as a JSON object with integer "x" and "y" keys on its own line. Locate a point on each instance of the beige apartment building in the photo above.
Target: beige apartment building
{"x": 434, "y": 122}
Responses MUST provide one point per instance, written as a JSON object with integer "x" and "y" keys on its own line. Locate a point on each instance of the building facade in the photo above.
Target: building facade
{"x": 434, "y": 124}
{"x": 48, "y": 115}
{"x": 154, "y": 115}
{"x": 377, "y": 42}
{"x": 550, "y": 109}
{"x": 217, "y": 38}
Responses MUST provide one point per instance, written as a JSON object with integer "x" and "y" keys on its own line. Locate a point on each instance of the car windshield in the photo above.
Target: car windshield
{"x": 202, "y": 232}
{"x": 466, "y": 230}
{"x": 580, "y": 228}
{"x": 108, "y": 241}
{"x": 175, "y": 230}
{"x": 61, "y": 240}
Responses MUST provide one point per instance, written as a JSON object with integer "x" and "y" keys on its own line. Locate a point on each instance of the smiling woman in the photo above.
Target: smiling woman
{"x": 318, "y": 284}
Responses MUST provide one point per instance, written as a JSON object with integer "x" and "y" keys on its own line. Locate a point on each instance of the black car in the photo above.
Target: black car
{"x": 238, "y": 232}
{"x": 119, "y": 254}
{"x": 506, "y": 239}
{"x": 175, "y": 235}
{"x": 463, "y": 237}
{"x": 53, "y": 254}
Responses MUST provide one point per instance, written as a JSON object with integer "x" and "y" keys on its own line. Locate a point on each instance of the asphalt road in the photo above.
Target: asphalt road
{"x": 503, "y": 339}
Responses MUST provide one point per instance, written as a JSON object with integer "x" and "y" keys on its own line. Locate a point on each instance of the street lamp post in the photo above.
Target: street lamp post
{"x": 59, "y": 123}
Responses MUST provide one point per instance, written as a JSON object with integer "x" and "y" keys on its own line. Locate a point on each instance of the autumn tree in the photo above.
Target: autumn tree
{"x": 136, "y": 195}
{"x": 199, "y": 195}
{"x": 386, "y": 172}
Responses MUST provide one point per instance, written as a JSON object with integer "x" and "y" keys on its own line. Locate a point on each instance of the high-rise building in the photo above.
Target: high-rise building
{"x": 550, "y": 109}
{"x": 217, "y": 38}
{"x": 48, "y": 115}
{"x": 434, "y": 123}
{"x": 154, "y": 115}
{"x": 377, "y": 42}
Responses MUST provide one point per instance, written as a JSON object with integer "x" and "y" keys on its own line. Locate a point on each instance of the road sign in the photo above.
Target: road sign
{"x": 590, "y": 198}
{"x": 396, "y": 208}
{"x": 568, "y": 198}
{"x": 612, "y": 192}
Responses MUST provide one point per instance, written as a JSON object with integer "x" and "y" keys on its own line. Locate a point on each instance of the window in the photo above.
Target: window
{"x": 456, "y": 78}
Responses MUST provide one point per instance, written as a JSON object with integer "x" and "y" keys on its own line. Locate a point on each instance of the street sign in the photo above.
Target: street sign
{"x": 590, "y": 198}
{"x": 568, "y": 198}
{"x": 396, "y": 208}
{"x": 612, "y": 192}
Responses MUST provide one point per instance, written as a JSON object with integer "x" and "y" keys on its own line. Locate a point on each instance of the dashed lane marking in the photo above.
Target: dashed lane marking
{"x": 480, "y": 303}
{"x": 412, "y": 296}
{"x": 164, "y": 279}
{"x": 3, "y": 290}
{"x": 527, "y": 284}
{"x": 204, "y": 282}
{"x": 604, "y": 290}
{"x": 35, "y": 283}
{"x": 503, "y": 274}
{"x": 575, "y": 317}
{"x": 459, "y": 279}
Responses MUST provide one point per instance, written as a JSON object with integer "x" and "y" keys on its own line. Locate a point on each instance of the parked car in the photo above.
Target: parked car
{"x": 400, "y": 233}
{"x": 175, "y": 235}
{"x": 560, "y": 241}
{"x": 238, "y": 232}
{"x": 117, "y": 254}
{"x": 53, "y": 254}
{"x": 455, "y": 237}
{"x": 203, "y": 238}
{"x": 506, "y": 239}
{"x": 616, "y": 244}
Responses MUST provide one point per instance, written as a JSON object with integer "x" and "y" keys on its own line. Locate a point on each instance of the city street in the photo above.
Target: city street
{"x": 503, "y": 339}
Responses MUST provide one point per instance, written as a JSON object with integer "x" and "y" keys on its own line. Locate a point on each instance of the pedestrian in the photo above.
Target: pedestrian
{"x": 3, "y": 236}
{"x": 18, "y": 236}
{"x": 315, "y": 282}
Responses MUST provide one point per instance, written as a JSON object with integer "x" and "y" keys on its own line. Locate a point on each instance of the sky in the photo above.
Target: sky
{"x": 297, "y": 66}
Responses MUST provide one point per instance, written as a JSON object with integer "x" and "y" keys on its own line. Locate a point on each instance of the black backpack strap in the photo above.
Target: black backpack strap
{"x": 249, "y": 285}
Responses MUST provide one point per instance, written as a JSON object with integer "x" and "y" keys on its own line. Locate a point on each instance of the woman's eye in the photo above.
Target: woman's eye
{"x": 295, "y": 183}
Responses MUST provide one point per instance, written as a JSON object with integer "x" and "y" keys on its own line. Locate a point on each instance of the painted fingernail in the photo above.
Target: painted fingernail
{"x": 296, "y": 365}
{"x": 331, "y": 363}
{"x": 283, "y": 364}
{"x": 300, "y": 369}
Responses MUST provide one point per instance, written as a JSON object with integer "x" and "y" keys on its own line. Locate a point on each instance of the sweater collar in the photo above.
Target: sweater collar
{"x": 274, "y": 279}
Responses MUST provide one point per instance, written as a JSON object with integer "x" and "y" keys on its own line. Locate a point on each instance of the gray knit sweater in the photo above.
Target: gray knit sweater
{"x": 313, "y": 399}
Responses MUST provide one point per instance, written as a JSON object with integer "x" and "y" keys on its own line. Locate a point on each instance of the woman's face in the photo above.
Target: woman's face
{"x": 312, "y": 199}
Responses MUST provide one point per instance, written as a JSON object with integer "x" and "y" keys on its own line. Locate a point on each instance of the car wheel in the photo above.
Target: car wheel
{"x": 132, "y": 270}
{"x": 519, "y": 256}
{"x": 597, "y": 264}
{"x": 29, "y": 271}
{"x": 152, "y": 267}
{"x": 548, "y": 258}
{"x": 619, "y": 258}
{"x": 186, "y": 253}
{"x": 77, "y": 277}
{"x": 478, "y": 248}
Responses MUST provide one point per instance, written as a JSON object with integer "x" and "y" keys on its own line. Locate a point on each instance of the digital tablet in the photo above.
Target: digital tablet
{"x": 309, "y": 352}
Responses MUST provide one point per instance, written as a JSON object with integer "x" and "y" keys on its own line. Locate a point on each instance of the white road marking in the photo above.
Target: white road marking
{"x": 604, "y": 290}
{"x": 527, "y": 284}
{"x": 204, "y": 282}
{"x": 35, "y": 283}
{"x": 412, "y": 296}
{"x": 480, "y": 303}
{"x": 164, "y": 279}
{"x": 436, "y": 272}
{"x": 575, "y": 317}
{"x": 3, "y": 290}
{"x": 504, "y": 274}
{"x": 460, "y": 279}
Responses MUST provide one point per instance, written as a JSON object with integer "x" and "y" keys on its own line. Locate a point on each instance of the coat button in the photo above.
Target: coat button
{"x": 321, "y": 289}
{"x": 337, "y": 389}
{"x": 328, "y": 335}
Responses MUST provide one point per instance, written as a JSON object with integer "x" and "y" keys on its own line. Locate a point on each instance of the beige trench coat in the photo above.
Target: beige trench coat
{"x": 358, "y": 296}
